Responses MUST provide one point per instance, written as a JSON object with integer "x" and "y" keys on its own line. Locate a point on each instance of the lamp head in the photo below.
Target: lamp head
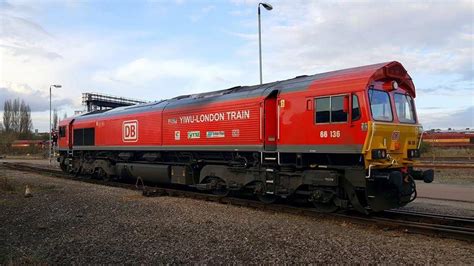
{"x": 267, "y": 6}
{"x": 57, "y": 86}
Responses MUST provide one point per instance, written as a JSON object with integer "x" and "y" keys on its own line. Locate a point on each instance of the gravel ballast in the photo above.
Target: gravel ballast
{"x": 74, "y": 222}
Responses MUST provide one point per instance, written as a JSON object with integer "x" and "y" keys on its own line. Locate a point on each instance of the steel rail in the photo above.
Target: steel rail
{"x": 464, "y": 232}
{"x": 468, "y": 221}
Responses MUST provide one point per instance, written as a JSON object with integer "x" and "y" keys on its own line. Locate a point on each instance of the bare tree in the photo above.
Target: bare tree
{"x": 21, "y": 117}
{"x": 7, "y": 115}
{"x": 55, "y": 119}
{"x": 25, "y": 119}
{"x": 15, "y": 125}
{"x": 17, "y": 117}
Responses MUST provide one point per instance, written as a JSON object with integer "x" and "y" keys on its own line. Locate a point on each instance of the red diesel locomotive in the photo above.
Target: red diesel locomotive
{"x": 342, "y": 139}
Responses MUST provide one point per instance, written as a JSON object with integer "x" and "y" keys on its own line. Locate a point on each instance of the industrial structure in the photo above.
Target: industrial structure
{"x": 96, "y": 101}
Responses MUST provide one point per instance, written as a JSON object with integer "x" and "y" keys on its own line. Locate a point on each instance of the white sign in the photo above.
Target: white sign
{"x": 215, "y": 134}
{"x": 235, "y": 133}
{"x": 194, "y": 134}
{"x": 215, "y": 117}
{"x": 130, "y": 131}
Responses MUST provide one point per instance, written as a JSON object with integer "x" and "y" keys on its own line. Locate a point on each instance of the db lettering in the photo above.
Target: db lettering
{"x": 130, "y": 131}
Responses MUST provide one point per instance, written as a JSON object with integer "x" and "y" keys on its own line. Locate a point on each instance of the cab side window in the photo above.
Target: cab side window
{"x": 355, "y": 108}
{"x": 323, "y": 107}
{"x": 62, "y": 132}
{"x": 330, "y": 110}
{"x": 337, "y": 109}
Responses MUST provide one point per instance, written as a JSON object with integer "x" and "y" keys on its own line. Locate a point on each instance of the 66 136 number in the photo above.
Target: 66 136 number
{"x": 330, "y": 134}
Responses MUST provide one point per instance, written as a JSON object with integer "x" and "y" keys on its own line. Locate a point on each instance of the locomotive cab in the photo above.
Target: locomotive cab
{"x": 392, "y": 145}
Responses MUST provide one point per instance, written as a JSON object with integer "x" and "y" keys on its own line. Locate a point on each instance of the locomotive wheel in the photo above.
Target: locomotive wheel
{"x": 219, "y": 187}
{"x": 323, "y": 201}
{"x": 99, "y": 173}
{"x": 259, "y": 190}
{"x": 77, "y": 171}
{"x": 267, "y": 199}
{"x": 64, "y": 167}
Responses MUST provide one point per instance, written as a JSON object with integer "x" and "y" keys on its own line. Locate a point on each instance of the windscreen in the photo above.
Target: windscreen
{"x": 405, "y": 108}
{"x": 380, "y": 105}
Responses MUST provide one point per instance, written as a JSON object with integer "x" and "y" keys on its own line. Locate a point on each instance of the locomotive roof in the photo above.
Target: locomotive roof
{"x": 393, "y": 70}
{"x": 357, "y": 76}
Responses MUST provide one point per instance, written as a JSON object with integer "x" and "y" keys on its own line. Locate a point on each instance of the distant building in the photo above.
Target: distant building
{"x": 29, "y": 143}
{"x": 449, "y": 138}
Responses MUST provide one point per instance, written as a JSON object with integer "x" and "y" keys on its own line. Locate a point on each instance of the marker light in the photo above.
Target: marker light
{"x": 379, "y": 154}
{"x": 394, "y": 85}
{"x": 415, "y": 153}
{"x": 390, "y": 85}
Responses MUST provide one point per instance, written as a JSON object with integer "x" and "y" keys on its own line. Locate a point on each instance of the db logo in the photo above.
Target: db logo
{"x": 130, "y": 131}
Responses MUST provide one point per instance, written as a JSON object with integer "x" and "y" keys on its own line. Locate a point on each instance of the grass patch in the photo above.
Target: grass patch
{"x": 447, "y": 152}
{"x": 4, "y": 202}
{"x": 13, "y": 257}
{"x": 8, "y": 259}
{"x": 44, "y": 187}
{"x": 4, "y": 257}
{"x": 6, "y": 185}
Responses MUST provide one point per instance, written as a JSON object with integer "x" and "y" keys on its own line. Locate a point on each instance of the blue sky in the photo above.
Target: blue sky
{"x": 153, "y": 50}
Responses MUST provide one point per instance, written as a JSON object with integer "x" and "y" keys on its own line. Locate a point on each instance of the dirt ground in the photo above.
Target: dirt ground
{"x": 74, "y": 222}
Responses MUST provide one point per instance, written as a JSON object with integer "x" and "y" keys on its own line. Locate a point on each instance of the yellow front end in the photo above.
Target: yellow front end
{"x": 397, "y": 140}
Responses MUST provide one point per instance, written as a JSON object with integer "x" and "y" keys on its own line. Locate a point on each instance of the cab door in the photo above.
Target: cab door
{"x": 70, "y": 135}
{"x": 270, "y": 127}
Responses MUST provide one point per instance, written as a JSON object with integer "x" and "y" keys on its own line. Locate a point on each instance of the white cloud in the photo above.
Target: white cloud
{"x": 314, "y": 36}
{"x": 158, "y": 72}
{"x": 432, "y": 39}
{"x": 458, "y": 119}
{"x": 37, "y": 100}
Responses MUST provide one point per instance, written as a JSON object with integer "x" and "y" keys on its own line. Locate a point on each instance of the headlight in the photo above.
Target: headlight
{"x": 379, "y": 154}
{"x": 413, "y": 153}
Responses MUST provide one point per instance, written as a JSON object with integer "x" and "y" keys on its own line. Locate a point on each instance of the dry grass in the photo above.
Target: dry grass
{"x": 7, "y": 259}
{"x": 5, "y": 185}
{"x": 449, "y": 152}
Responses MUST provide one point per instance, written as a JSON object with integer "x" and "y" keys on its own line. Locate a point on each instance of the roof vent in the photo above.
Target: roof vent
{"x": 302, "y": 76}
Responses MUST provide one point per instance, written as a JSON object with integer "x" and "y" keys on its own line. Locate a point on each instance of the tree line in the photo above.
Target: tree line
{"x": 17, "y": 118}
{"x": 17, "y": 124}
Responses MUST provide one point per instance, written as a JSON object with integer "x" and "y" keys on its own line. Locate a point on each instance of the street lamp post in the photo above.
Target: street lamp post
{"x": 50, "y": 126}
{"x": 267, "y": 7}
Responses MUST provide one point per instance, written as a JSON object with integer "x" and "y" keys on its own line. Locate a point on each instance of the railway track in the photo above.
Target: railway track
{"x": 454, "y": 227}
